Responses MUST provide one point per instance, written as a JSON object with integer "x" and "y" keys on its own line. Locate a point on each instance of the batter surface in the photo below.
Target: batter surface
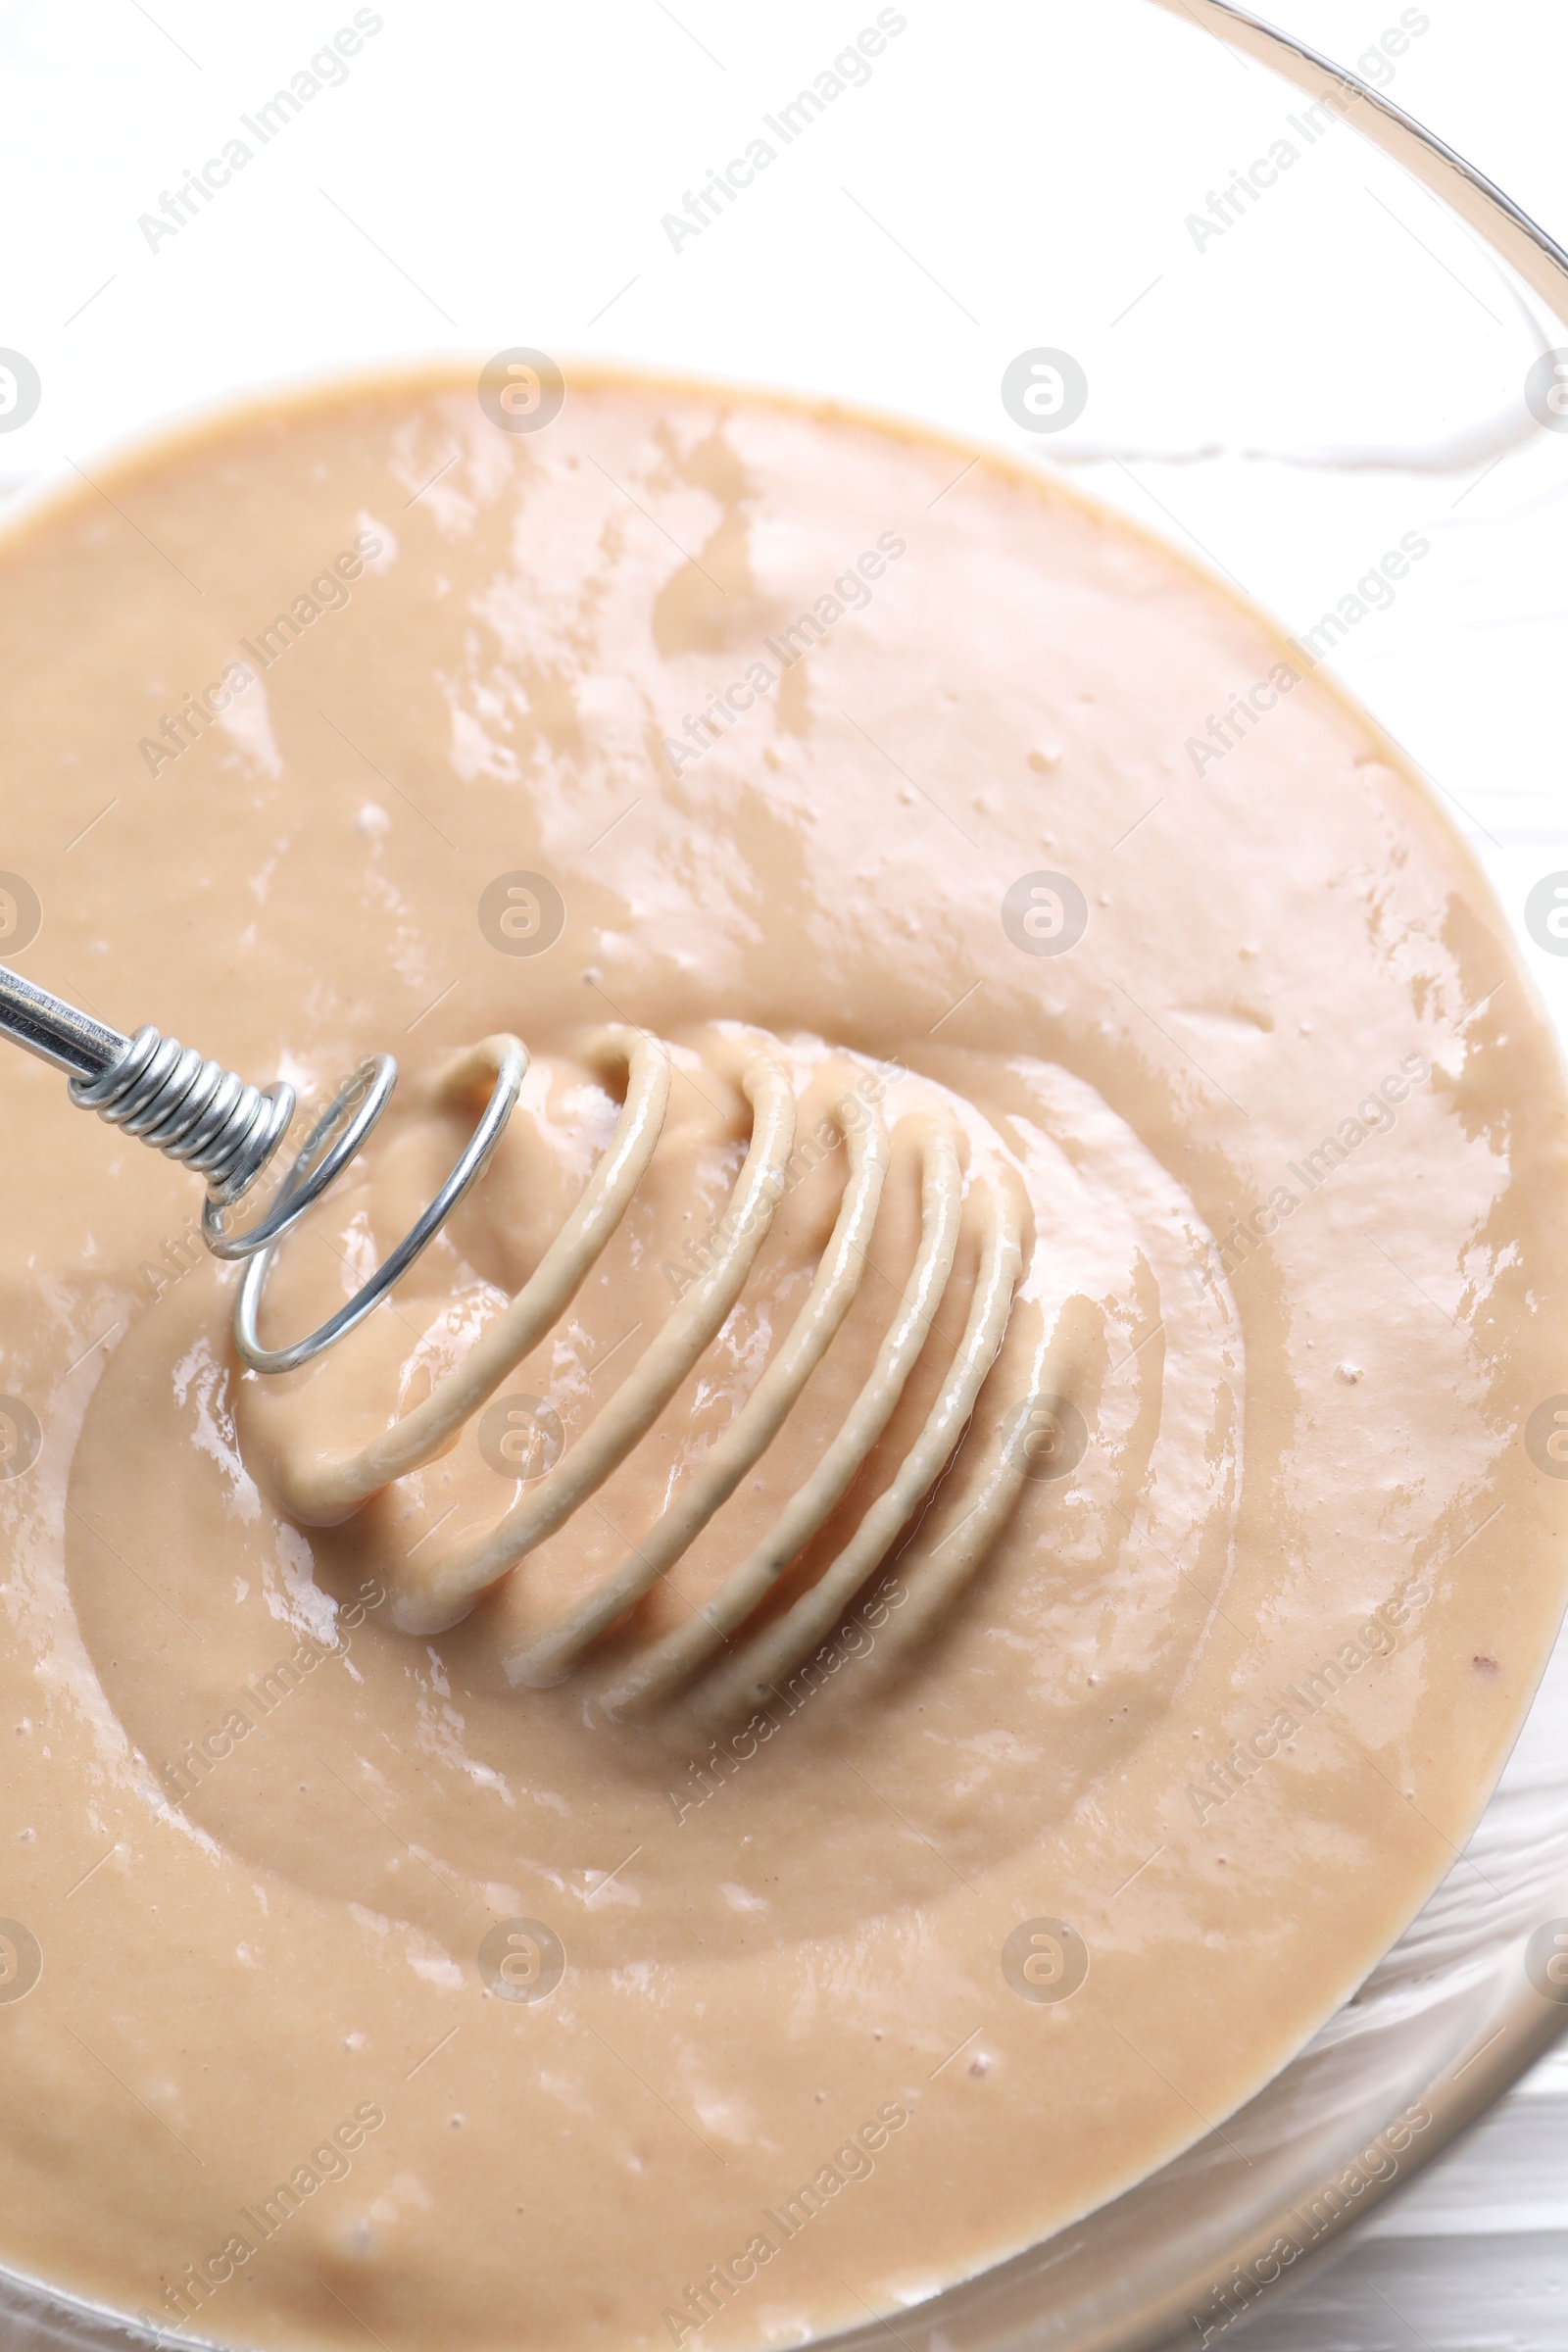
{"x": 372, "y": 1964}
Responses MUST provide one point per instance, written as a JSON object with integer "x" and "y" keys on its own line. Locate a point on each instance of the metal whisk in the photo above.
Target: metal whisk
{"x": 196, "y": 1111}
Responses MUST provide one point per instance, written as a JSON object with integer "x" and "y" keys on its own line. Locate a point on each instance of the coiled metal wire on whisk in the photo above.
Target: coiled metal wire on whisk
{"x": 193, "y": 1109}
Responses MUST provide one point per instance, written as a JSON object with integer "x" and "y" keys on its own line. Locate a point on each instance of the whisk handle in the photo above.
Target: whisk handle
{"x": 56, "y": 1031}
{"x": 193, "y": 1110}
{"x": 155, "y": 1089}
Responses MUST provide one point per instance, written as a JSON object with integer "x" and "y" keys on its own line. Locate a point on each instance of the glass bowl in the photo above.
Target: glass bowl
{"x": 1074, "y": 232}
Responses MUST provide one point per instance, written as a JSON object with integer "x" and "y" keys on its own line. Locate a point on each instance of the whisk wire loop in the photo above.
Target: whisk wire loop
{"x": 447, "y": 1590}
{"x": 340, "y": 1131}
{"x": 511, "y": 1058}
{"x": 550, "y": 1657}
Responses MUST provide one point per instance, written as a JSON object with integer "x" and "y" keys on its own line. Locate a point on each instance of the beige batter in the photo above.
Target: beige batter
{"x": 409, "y": 1957}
